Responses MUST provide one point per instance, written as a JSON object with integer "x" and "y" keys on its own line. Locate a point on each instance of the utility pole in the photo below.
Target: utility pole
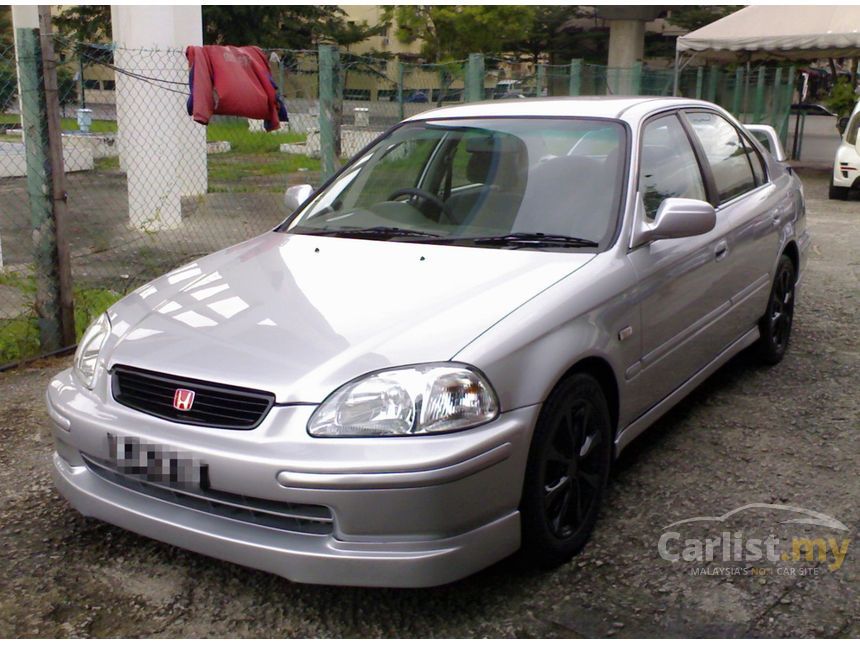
{"x": 40, "y": 116}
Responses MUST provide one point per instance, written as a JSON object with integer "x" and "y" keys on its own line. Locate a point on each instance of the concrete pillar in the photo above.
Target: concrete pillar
{"x": 627, "y": 39}
{"x": 162, "y": 150}
{"x": 626, "y": 42}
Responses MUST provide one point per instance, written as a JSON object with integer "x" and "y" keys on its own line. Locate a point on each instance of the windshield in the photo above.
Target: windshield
{"x": 523, "y": 182}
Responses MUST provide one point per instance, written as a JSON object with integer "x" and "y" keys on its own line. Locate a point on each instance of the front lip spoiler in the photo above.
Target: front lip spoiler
{"x": 412, "y": 479}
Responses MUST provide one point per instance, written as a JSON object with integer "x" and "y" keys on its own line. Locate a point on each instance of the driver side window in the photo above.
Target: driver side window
{"x": 667, "y": 165}
{"x": 398, "y": 167}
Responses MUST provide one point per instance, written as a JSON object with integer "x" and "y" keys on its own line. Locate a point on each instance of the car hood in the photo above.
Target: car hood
{"x": 300, "y": 315}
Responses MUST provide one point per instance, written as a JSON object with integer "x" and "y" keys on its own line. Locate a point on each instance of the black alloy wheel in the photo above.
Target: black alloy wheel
{"x": 567, "y": 472}
{"x": 775, "y": 325}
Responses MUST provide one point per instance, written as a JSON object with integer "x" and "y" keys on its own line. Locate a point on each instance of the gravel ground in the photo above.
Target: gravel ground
{"x": 786, "y": 435}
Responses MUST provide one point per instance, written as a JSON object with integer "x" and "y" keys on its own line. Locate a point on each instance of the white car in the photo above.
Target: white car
{"x": 846, "y": 166}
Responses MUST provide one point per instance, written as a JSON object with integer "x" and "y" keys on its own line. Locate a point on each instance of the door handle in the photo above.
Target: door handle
{"x": 721, "y": 250}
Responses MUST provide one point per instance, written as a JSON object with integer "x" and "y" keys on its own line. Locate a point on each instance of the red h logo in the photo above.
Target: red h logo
{"x": 183, "y": 399}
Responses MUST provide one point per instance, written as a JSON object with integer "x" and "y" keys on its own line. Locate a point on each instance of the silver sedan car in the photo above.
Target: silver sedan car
{"x": 433, "y": 362}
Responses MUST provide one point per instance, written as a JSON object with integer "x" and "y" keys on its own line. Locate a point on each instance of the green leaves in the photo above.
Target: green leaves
{"x": 453, "y": 31}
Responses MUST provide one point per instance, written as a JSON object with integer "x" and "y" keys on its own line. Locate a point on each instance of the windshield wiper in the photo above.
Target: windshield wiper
{"x": 373, "y": 232}
{"x": 534, "y": 240}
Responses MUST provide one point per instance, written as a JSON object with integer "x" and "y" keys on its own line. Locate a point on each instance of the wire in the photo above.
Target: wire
{"x": 150, "y": 80}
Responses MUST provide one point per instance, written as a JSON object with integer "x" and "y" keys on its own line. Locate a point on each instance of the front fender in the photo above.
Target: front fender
{"x": 526, "y": 353}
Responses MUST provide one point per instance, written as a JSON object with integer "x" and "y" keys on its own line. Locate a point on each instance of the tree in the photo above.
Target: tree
{"x": 348, "y": 33}
{"x": 453, "y": 31}
{"x": 85, "y": 23}
{"x": 547, "y": 34}
{"x": 6, "y": 38}
{"x": 285, "y": 26}
{"x": 692, "y": 17}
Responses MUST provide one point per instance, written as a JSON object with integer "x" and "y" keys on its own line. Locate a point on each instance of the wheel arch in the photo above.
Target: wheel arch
{"x": 791, "y": 251}
{"x": 602, "y": 371}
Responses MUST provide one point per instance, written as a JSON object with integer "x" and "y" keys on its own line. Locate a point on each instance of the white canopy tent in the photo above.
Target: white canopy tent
{"x": 790, "y": 32}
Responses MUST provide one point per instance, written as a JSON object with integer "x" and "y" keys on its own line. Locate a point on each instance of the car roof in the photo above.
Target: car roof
{"x": 628, "y": 107}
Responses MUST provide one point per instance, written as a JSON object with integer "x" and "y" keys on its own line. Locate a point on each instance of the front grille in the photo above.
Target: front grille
{"x": 215, "y": 405}
{"x": 285, "y": 516}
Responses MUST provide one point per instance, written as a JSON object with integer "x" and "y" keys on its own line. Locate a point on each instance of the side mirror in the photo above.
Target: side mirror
{"x": 297, "y": 195}
{"x": 841, "y": 124}
{"x": 677, "y": 217}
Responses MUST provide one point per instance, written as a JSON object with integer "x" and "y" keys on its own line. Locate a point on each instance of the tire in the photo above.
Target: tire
{"x": 837, "y": 192}
{"x": 567, "y": 471}
{"x": 775, "y": 325}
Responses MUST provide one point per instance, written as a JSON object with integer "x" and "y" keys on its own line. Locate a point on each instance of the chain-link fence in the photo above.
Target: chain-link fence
{"x": 149, "y": 189}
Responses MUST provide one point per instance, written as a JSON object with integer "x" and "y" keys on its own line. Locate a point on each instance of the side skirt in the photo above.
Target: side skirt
{"x": 641, "y": 424}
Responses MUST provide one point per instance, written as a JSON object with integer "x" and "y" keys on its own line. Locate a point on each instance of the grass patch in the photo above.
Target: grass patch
{"x": 97, "y": 126}
{"x": 106, "y": 163}
{"x": 243, "y": 141}
{"x": 232, "y": 167}
{"x": 19, "y": 337}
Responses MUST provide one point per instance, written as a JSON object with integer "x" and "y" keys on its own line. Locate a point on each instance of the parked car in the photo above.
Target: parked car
{"x": 508, "y": 88}
{"x": 417, "y": 96}
{"x": 846, "y": 165}
{"x": 812, "y": 109}
{"x": 435, "y": 359}
{"x": 767, "y": 136}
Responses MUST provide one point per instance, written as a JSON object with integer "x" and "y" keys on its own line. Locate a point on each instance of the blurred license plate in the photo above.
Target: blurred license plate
{"x": 152, "y": 462}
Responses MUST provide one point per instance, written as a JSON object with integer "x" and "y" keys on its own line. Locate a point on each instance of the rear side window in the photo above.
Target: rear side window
{"x": 667, "y": 166}
{"x": 726, "y": 153}
{"x": 757, "y": 164}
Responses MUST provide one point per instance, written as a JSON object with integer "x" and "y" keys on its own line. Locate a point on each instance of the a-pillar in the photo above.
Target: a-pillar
{"x": 162, "y": 150}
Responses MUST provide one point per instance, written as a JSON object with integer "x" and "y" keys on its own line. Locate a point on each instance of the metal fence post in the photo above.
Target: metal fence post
{"x": 40, "y": 118}
{"x": 475, "y": 78}
{"x": 575, "y": 83}
{"x": 738, "y": 92}
{"x": 713, "y": 82}
{"x": 776, "y": 99}
{"x": 634, "y": 83}
{"x": 758, "y": 103}
{"x": 541, "y": 79}
{"x": 330, "y": 108}
{"x": 400, "y": 75}
{"x": 700, "y": 81}
{"x": 789, "y": 95}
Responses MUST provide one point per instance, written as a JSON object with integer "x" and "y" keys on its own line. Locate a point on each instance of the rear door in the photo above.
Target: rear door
{"x": 748, "y": 204}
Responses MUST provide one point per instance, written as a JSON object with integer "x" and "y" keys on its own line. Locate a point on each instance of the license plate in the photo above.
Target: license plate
{"x": 154, "y": 463}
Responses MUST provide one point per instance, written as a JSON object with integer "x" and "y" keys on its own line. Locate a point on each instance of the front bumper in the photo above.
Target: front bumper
{"x": 406, "y": 512}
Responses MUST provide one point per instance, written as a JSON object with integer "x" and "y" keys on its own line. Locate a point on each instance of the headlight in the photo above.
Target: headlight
{"x": 86, "y": 357}
{"x": 422, "y": 399}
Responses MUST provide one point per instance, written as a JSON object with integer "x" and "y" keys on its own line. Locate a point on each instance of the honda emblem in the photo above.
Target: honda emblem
{"x": 183, "y": 399}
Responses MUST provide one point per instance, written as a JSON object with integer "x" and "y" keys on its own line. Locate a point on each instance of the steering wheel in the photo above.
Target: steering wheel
{"x": 423, "y": 194}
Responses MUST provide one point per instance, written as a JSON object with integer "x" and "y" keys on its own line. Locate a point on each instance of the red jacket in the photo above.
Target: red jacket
{"x": 232, "y": 80}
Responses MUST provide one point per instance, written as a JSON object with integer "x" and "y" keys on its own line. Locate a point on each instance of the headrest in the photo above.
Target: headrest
{"x": 494, "y": 144}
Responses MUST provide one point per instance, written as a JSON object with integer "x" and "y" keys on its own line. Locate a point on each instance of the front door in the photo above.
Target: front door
{"x": 683, "y": 294}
